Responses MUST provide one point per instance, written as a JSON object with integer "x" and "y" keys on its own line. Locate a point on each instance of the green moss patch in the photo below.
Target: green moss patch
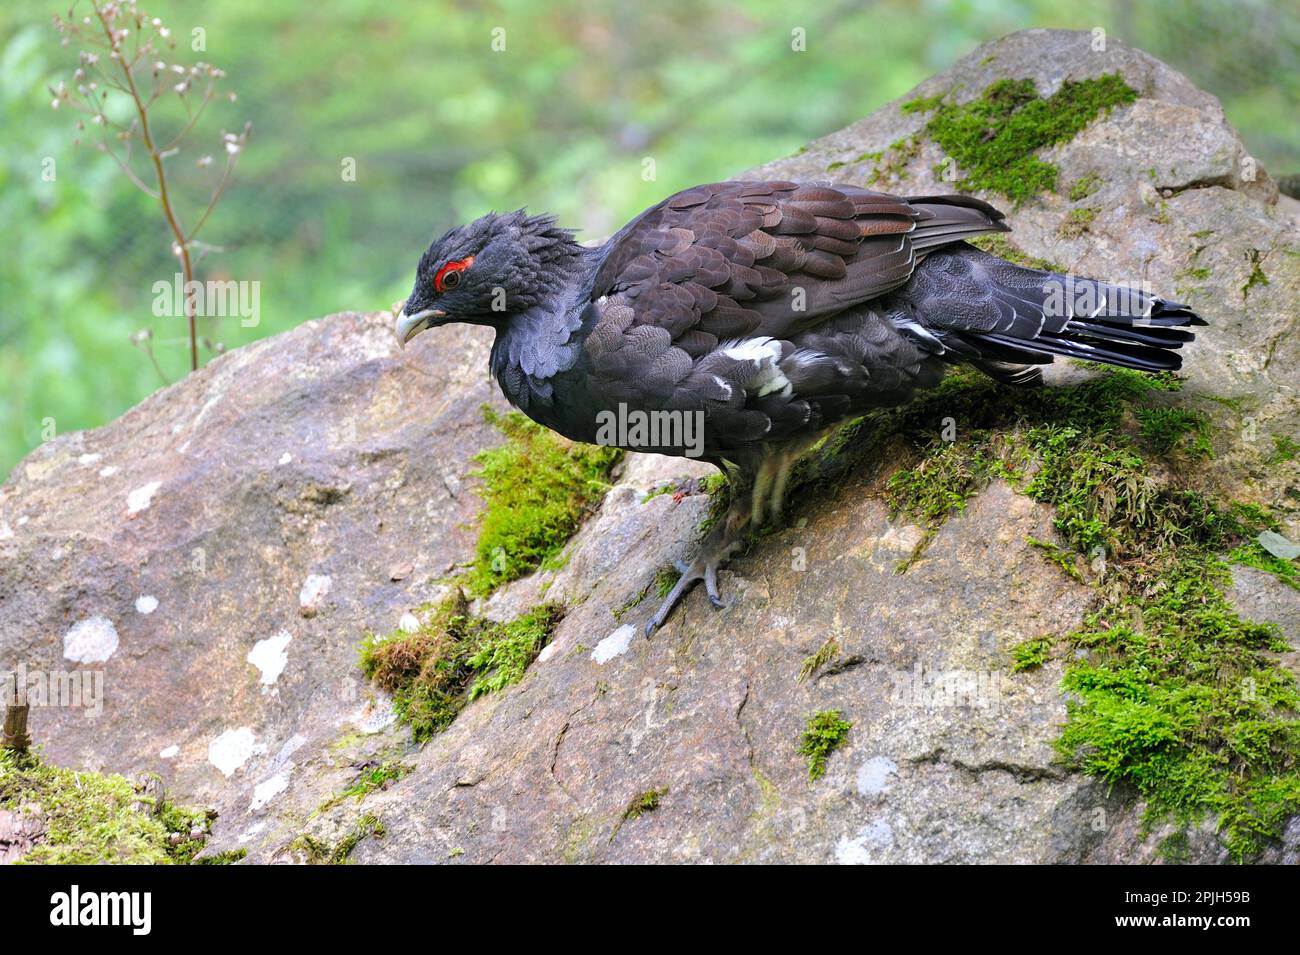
{"x": 1078, "y": 222}
{"x": 537, "y": 488}
{"x": 1171, "y": 693}
{"x": 827, "y": 652}
{"x": 824, "y": 734}
{"x": 999, "y": 245}
{"x": 1067, "y": 560}
{"x": 718, "y": 489}
{"x": 922, "y": 104}
{"x": 372, "y": 777}
{"x": 1257, "y": 277}
{"x": 892, "y": 163}
{"x": 645, "y": 802}
{"x": 994, "y": 138}
{"x": 1181, "y": 699}
{"x": 944, "y": 481}
{"x": 92, "y": 818}
{"x": 1031, "y": 654}
{"x": 940, "y": 486}
{"x": 1252, "y": 554}
{"x": 1170, "y": 430}
{"x": 322, "y": 853}
{"x": 1284, "y": 449}
{"x": 637, "y": 806}
{"x": 452, "y": 659}
{"x": 1085, "y": 186}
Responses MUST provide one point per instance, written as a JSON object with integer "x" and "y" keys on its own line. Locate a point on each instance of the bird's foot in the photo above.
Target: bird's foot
{"x": 717, "y": 548}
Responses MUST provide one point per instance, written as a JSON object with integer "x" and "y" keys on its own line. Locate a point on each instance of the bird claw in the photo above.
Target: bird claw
{"x": 705, "y": 568}
{"x": 711, "y": 586}
{"x": 689, "y": 575}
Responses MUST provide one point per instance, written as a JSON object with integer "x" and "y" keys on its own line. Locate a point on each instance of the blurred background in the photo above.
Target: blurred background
{"x": 441, "y": 128}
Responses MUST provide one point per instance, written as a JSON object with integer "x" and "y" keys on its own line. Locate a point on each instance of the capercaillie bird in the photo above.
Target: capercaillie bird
{"x": 770, "y": 311}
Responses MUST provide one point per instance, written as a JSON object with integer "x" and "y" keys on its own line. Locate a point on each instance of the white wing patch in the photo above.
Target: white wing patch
{"x": 754, "y": 349}
{"x": 764, "y": 353}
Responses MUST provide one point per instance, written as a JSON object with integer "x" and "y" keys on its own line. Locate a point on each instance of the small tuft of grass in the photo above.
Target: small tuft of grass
{"x": 370, "y": 779}
{"x": 1078, "y": 222}
{"x": 632, "y": 603}
{"x": 1085, "y": 186}
{"x": 665, "y": 579}
{"x": 1257, "y": 277}
{"x": 827, "y": 652}
{"x": 537, "y": 488}
{"x": 452, "y": 659}
{"x": 824, "y": 734}
{"x": 861, "y": 158}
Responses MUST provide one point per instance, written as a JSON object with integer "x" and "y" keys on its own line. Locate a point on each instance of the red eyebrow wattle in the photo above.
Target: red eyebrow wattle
{"x": 457, "y": 266}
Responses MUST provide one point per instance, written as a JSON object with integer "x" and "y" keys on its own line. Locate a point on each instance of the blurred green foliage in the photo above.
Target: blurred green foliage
{"x": 442, "y": 128}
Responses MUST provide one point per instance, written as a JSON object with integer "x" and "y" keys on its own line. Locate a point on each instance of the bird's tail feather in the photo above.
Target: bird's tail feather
{"x": 1147, "y": 340}
{"x": 1028, "y": 316}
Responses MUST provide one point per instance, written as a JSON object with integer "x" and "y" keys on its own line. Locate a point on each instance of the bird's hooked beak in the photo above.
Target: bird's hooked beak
{"x": 408, "y": 326}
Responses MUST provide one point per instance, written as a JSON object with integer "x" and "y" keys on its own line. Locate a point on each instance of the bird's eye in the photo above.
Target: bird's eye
{"x": 448, "y": 276}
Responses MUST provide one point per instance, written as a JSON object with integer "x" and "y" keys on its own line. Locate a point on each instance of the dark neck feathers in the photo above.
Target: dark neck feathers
{"x": 541, "y": 337}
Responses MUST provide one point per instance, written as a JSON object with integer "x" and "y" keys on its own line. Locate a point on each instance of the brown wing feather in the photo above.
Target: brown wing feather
{"x": 777, "y": 257}
{"x": 764, "y": 260}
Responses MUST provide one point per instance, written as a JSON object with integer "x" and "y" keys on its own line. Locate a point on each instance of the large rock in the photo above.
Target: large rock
{"x": 220, "y": 551}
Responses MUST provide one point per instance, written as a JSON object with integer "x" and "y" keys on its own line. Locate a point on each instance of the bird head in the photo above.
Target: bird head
{"x": 483, "y": 272}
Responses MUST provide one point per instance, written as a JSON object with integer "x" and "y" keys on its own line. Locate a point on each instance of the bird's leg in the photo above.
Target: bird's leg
{"x": 717, "y": 546}
{"x": 784, "y": 465}
{"x": 762, "y": 484}
{"x": 752, "y": 504}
